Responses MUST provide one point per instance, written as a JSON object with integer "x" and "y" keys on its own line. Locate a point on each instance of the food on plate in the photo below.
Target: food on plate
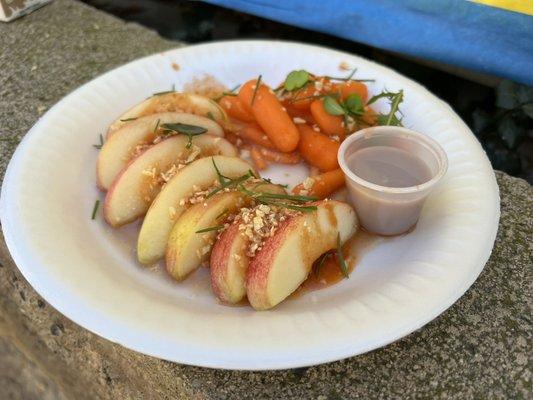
{"x": 135, "y": 137}
{"x": 270, "y": 114}
{"x": 190, "y": 164}
{"x": 321, "y": 185}
{"x": 176, "y": 197}
{"x": 195, "y": 231}
{"x": 318, "y": 149}
{"x": 171, "y": 101}
{"x": 136, "y": 186}
{"x": 285, "y": 259}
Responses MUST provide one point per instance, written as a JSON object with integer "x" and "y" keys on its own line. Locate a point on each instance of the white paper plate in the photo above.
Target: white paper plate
{"x": 88, "y": 271}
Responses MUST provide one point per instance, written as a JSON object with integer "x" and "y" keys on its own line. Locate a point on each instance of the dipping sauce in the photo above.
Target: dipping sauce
{"x": 389, "y": 166}
{"x": 389, "y": 173}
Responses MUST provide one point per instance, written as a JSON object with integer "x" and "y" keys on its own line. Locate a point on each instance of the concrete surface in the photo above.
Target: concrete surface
{"x": 479, "y": 348}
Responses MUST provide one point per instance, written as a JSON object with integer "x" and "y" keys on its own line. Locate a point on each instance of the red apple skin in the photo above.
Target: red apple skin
{"x": 221, "y": 261}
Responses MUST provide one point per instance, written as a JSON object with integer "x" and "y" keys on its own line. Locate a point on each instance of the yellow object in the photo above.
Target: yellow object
{"x": 519, "y": 6}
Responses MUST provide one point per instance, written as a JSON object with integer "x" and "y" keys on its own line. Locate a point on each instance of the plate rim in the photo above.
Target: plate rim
{"x": 87, "y": 322}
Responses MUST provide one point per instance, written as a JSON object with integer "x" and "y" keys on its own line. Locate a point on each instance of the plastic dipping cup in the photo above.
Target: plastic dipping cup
{"x": 383, "y": 209}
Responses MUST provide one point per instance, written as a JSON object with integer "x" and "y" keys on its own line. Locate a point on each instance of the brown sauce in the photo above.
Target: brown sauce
{"x": 330, "y": 273}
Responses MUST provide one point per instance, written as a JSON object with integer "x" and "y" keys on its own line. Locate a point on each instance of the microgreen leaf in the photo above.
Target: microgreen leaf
{"x": 296, "y": 80}
{"x": 95, "y": 209}
{"x": 99, "y": 146}
{"x": 257, "y": 85}
{"x": 210, "y": 229}
{"x": 332, "y": 106}
{"x": 340, "y": 256}
{"x": 354, "y": 104}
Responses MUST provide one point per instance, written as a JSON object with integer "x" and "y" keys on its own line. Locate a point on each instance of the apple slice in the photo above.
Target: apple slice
{"x": 119, "y": 149}
{"x": 166, "y": 207}
{"x": 140, "y": 181}
{"x": 171, "y": 102}
{"x": 229, "y": 264}
{"x": 188, "y": 247}
{"x": 286, "y": 258}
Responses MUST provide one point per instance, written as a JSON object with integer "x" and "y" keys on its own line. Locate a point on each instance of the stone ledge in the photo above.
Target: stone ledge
{"x": 476, "y": 349}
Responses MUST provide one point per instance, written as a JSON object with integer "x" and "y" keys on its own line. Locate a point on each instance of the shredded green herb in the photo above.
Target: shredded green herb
{"x": 184, "y": 129}
{"x": 320, "y": 263}
{"x": 95, "y": 209}
{"x": 129, "y": 119}
{"x": 340, "y": 256}
{"x": 172, "y": 90}
{"x": 99, "y": 146}
{"x": 257, "y": 84}
{"x": 349, "y": 77}
{"x": 210, "y": 229}
{"x": 333, "y": 107}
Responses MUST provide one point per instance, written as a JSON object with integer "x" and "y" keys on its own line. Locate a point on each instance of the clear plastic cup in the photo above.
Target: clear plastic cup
{"x": 391, "y": 210}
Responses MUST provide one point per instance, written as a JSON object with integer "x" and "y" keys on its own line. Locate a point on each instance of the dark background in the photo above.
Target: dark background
{"x": 503, "y": 128}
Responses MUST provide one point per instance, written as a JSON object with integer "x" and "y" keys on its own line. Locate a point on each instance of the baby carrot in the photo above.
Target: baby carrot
{"x": 329, "y": 124}
{"x": 318, "y": 149}
{"x": 279, "y": 157}
{"x": 253, "y": 133}
{"x": 321, "y": 185}
{"x": 350, "y": 87}
{"x": 234, "y": 108}
{"x": 270, "y": 115}
{"x": 257, "y": 159}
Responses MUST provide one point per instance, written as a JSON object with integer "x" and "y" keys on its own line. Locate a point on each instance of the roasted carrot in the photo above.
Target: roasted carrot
{"x": 234, "y": 108}
{"x": 321, "y": 185}
{"x": 329, "y": 124}
{"x": 279, "y": 157}
{"x": 350, "y": 87}
{"x": 270, "y": 115}
{"x": 301, "y": 99}
{"x": 318, "y": 149}
{"x": 257, "y": 158}
{"x": 253, "y": 133}
{"x": 370, "y": 116}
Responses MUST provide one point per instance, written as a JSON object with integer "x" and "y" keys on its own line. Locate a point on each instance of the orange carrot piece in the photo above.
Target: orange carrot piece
{"x": 322, "y": 185}
{"x": 270, "y": 115}
{"x": 370, "y": 116}
{"x": 253, "y": 133}
{"x": 318, "y": 149}
{"x": 279, "y": 157}
{"x": 257, "y": 158}
{"x": 350, "y": 87}
{"x": 300, "y": 99}
{"x": 329, "y": 124}
{"x": 234, "y": 108}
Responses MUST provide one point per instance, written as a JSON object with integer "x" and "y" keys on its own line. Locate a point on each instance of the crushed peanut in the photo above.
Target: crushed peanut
{"x": 298, "y": 120}
{"x": 259, "y": 223}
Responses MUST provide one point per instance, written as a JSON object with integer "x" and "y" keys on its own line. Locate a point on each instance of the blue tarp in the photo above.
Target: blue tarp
{"x": 456, "y": 32}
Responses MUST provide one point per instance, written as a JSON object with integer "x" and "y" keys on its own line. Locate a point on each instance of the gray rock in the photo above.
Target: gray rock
{"x": 479, "y": 348}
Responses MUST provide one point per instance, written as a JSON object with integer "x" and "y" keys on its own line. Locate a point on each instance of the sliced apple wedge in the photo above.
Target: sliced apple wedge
{"x": 188, "y": 247}
{"x": 170, "y": 203}
{"x": 119, "y": 149}
{"x": 140, "y": 181}
{"x": 229, "y": 264}
{"x": 286, "y": 258}
{"x": 171, "y": 102}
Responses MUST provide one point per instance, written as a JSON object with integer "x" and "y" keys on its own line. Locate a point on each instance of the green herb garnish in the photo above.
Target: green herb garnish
{"x": 129, "y": 119}
{"x": 210, "y": 229}
{"x": 320, "y": 263}
{"x": 166, "y": 91}
{"x": 340, "y": 256}
{"x": 184, "y": 129}
{"x": 296, "y": 80}
{"x": 99, "y": 146}
{"x": 354, "y": 104}
{"x": 257, "y": 84}
{"x": 95, "y": 209}
{"x": 395, "y": 100}
{"x": 349, "y": 78}
{"x": 157, "y": 125}
{"x": 333, "y": 107}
